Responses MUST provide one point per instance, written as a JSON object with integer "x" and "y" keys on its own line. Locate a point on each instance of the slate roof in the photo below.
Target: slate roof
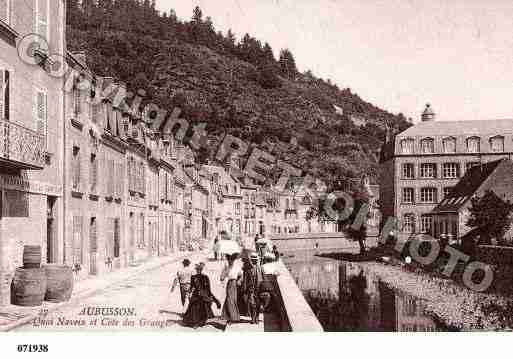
{"x": 467, "y": 186}
{"x": 445, "y": 128}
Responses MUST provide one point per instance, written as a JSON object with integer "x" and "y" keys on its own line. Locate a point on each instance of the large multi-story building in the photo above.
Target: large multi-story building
{"x": 31, "y": 134}
{"x": 420, "y": 165}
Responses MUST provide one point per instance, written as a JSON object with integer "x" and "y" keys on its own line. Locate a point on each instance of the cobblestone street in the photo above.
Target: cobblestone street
{"x": 149, "y": 294}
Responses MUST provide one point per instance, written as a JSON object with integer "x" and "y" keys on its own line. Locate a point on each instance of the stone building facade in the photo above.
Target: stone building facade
{"x": 31, "y": 134}
{"x": 420, "y": 165}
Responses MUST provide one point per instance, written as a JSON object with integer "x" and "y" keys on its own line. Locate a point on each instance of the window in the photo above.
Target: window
{"x": 408, "y": 195}
{"x": 95, "y": 112}
{"x": 425, "y": 223}
{"x": 427, "y": 145}
{"x": 237, "y": 208}
{"x": 120, "y": 175}
{"x": 471, "y": 164}
{"x": 447, "y": 191}
{"x": 4, "y": 94}
{"x": 42, "y": 19}
{"x": 410, "y": 306}
{"x": 5, "y": 11}
{"x": 41, "y": 112}
{"x": 110, "y": 178}
{"x": 449, "y": 145}
{"x": 93, "y": 176}
{"x": 473, "y": 144}
{"x": 428, "y": 195}
{"x": 428, "y": 170}
{"x": 451, "y": 170}
{"x": 497, "y": 144}
{"x": 407, "y": 146}
{"x": 77, "y": 98}
{"x": 93, "y": 236}
{"x": 75, "y": 168}
{"x": 409, "y": 223}
{"x": 77, "y": 240}
{"x": 408, "y": 171}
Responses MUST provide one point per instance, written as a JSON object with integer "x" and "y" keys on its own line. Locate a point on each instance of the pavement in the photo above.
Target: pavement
{"x": 144, "y": 291}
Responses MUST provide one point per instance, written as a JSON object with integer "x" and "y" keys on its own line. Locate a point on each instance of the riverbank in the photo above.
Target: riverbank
{"x": 456, "y": 306}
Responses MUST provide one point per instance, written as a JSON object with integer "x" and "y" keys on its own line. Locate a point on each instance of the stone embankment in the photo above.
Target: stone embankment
{"x": 295, "y": 309}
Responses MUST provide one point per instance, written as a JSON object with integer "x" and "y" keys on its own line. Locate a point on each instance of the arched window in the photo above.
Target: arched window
{"x": 427, "y": 145}
{"x": 407, "y": 146}
{"x": 497, "y": 144}
{"x": 449, "y": 145}
{"x": 473, "y": 144}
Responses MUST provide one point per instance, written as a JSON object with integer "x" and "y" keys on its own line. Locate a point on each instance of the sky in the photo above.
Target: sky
{"x": 397, "y": 54}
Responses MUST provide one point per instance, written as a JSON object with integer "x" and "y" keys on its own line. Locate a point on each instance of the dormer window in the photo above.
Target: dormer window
{"x": 449, "y": 145}
{"x": 497, "y": 144}
{"x": 427, "y": 145}
{"x": 407, "y": 146}
{"x": 473, "y": 144}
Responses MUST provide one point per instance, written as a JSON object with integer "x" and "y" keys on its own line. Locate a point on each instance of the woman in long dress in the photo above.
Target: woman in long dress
{"x": 201, "y": 299}
{"x": 233, "y": 273}
{"x": 183, "y": 279}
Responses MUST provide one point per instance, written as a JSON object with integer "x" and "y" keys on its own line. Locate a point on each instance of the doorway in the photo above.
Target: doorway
{"x": 51, "y": 255}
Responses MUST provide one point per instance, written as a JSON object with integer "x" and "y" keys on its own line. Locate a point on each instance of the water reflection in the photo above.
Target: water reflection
{"x": 344, "y": 297}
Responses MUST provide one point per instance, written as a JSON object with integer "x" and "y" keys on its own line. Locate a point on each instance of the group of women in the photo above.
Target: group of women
{"x": 249, "y": 290}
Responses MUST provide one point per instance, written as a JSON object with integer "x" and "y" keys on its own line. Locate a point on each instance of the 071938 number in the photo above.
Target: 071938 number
{"x": 33, "y": 348}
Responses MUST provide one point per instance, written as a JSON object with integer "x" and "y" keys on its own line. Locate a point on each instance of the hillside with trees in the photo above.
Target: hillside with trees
{"x": 236, "y": 86}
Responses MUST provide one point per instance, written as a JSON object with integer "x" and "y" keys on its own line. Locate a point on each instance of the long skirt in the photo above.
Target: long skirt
{"x": 185, "y": 288}
{"x": 198, "y": 312}
{"x": 230, "y": 308}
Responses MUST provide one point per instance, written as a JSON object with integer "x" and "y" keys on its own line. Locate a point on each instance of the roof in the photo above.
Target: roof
{"x": 446, "y": 128}
{"x": 467, "y": 186}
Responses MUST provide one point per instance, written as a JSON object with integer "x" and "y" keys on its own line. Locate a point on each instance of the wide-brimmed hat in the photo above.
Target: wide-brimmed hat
{"x": 253, "y": 255}
{"x": 186, "y": 262}
{"x": 200, "y": 265}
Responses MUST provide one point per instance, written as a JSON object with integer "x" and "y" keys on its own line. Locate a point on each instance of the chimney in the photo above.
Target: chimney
{"x": 428, "y": 114}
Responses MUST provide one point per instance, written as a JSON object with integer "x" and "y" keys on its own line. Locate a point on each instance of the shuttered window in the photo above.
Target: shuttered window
{"x": 93, "y": 173}
{"x": 93, "y": 236}
{"x": 77, "y": 98}
{"x": 42, "y": 18}
{"x": 75, "y": 168}
{"x": 95, "y": 112}
{"x": 117, "y": 238}
{"x": 77, "y": 240}
{"x": 110, "y": 177}
{"x": 109, "y": 238}
{"x": 120, "y": 175}
{"x": 41, "y": 112}
{"x": 4, "y": 94}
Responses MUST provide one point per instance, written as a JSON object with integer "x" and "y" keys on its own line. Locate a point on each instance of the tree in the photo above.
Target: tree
{"x": 268, "y": 76}
{"x": 350, "y": 224}
{"x": 197, "y": 15}
{"x": 287, "y": 63}
{"x": 491, "y": 216}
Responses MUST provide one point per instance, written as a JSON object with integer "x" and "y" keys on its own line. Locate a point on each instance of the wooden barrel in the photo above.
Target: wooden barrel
{"x": 31, "y": 256}
{"x": 59, "y": 279}
{"x": 28, "y": 287}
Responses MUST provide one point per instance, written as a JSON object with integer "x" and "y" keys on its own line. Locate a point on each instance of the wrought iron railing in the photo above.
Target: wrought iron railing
{"x": 21, "y": 146}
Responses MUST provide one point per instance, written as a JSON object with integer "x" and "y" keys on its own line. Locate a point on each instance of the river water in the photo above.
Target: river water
{"x": 346, "y": 297}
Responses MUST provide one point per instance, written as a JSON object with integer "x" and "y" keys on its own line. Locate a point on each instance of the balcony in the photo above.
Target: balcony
{"x": 21, "y": 147}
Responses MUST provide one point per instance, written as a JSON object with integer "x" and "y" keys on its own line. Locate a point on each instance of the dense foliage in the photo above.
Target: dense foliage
{"x": 236, "y": 86}
{"x": 491, "y": 216}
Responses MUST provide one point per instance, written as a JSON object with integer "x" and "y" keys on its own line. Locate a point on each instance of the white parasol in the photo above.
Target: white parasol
{"x": 229, "y": 247}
